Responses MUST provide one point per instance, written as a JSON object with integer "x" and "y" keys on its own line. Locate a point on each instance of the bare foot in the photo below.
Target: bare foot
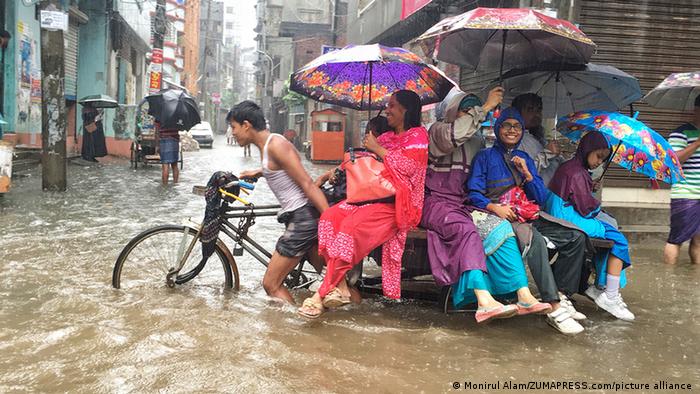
{"x": 355, "y": 295}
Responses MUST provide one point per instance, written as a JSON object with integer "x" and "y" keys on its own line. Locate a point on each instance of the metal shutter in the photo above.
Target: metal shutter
{"x": 648, "y": 39}
{"x": 71, "y": 61}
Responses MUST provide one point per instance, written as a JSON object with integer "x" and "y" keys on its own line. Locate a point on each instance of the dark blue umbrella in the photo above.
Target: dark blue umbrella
{"x": 577, "y": 87}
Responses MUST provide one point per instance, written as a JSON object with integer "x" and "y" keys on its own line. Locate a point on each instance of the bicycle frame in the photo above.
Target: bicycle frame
{"x": 239, "y": 234}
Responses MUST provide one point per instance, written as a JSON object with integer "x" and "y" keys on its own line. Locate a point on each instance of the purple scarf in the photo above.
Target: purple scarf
{"x": 572, "y": 181}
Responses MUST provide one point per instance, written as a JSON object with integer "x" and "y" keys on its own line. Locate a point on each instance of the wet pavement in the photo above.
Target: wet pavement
{"x": 64, "y": 328}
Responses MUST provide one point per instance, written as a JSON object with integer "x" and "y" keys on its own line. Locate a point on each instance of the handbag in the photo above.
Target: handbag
{"x": 525, "y": 209}
{"x": 365, "y": 180}
{"x": 91, "y": 127}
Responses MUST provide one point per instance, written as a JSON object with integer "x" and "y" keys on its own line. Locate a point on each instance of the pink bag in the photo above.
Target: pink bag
{"x": 525, "y": 209}
{"x": 365, "y": 180}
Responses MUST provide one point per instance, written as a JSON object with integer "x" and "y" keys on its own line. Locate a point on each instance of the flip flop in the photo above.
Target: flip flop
{"x": 484, "y": 315}
{"x": 335, "y": 300}
{"x": 309, "y": 303}
{"x": 539, "y": 308}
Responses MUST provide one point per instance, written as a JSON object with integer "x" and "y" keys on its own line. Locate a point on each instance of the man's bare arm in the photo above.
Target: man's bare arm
{"x": 685, "y": 153}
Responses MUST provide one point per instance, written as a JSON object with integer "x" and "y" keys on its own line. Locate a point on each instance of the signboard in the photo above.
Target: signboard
{"x": 328, "y": 48}
{"x": 54, "y": 20}
{"x": 156, "y": 78}
{"x": 216, "y": 98}
{"x": 157, "y": 56}
{"x": 408, "y": 7}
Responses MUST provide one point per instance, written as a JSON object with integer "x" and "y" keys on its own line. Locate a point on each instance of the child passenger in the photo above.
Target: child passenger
{"x": 571, "y": 199}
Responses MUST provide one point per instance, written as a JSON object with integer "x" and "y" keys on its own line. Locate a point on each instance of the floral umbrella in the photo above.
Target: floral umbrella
{"x": 363, "y": 77}
{"x": 509, "y": 38}
{"x": 635, "y": 146}
{"x": 677, "y": 91}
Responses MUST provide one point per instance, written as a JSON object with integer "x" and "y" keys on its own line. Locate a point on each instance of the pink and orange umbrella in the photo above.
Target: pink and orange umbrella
{"x": 509, "y": 38}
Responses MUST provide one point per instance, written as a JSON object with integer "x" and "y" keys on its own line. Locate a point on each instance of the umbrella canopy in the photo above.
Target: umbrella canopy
{"x": 173, "y": 109}
{"x": 570, "y": 88}
{"x": 363, "y": 77}
{"x": 487, "y": 38}
{"x": 677, "y": 91}
{"x": 99, "y": 101}
{"x": 635, "y": 146}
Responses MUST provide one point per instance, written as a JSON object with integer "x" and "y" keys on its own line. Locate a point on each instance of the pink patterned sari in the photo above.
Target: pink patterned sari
{"x": 347, "y": 233}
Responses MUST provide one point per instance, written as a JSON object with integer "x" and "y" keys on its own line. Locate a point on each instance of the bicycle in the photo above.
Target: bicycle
{"x": 168, "y": 253}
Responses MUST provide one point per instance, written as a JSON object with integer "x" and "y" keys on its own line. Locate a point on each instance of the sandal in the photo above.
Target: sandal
{"x": 484, "y": 315}
{"x": 335, "y": 300}
{"x": 539, "y": 308}
{"x": 310, "y": 309}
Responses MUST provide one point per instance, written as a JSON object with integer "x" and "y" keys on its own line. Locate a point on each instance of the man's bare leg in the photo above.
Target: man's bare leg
{"x": 176, "y": 172}
{"x": 315, "y": 259}
{"x": 671, "y": 252}
{"x": 694, "y": 250}
{"x": 165, "y": 173}
{"x": 278, "y": 269}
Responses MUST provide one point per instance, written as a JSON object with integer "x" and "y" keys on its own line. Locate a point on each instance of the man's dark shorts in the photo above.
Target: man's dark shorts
{"x": 301, "y": 233}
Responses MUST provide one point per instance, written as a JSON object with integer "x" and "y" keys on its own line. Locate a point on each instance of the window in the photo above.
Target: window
{"x": 229, "y": 10}
{"x": 229, "y": 25}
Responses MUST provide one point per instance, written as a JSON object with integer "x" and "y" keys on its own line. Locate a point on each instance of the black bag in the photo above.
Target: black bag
{"x": 338, "y": 189}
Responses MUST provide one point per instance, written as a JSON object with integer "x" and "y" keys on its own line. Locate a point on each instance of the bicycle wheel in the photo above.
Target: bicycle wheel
{"x": 146, "y": 260}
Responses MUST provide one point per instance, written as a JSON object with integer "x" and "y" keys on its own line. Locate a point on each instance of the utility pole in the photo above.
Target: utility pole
{"x": 205, "y": 76}
{"x": 53, "y": 112}
{"x": 159, "y": 30}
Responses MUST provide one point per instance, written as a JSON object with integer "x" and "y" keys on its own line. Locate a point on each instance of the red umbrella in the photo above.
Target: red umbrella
{"x": 485, "y": 38}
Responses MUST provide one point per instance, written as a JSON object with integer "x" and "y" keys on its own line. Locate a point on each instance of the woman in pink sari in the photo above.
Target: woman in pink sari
{"x": 347, "y": 233}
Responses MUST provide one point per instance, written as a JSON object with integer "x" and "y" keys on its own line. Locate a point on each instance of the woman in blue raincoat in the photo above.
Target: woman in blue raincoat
{"x": 504, "y": 180}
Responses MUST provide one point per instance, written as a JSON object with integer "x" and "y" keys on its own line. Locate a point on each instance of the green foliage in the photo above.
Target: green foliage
{"x": 229, "y": 98}
{"x": 291, "y": 98}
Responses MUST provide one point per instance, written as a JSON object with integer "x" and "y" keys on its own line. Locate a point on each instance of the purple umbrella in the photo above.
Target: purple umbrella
{"x": 363, "y": 77}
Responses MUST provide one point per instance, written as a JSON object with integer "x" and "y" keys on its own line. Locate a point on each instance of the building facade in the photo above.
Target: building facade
{"x": 105, "y": 53}
{"x": 289, "y": 35}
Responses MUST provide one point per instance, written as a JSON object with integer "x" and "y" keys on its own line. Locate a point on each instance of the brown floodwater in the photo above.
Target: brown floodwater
{"x": 64, "y": 328}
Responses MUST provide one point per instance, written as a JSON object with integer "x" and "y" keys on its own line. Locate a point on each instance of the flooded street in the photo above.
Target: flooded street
{"x": 64, "y": 328}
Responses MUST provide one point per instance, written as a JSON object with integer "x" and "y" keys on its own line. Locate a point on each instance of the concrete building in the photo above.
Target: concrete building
{"x": 211, "y": 54}
{"x": 290, "y": 34}
{"x": 173, "y": 42}
{"x": 105, "y": 53}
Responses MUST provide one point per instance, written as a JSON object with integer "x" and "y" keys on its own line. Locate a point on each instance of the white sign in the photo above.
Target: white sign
{"x": 54, "y": 20}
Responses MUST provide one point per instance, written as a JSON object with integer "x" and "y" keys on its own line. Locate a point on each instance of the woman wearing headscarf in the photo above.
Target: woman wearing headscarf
{"x": 571, "y": 199}
{"x": 504, "y": 181}
{"x": 347, "y": 233}
{"x": 93, "y": 134}
{"x": 473, "y": 251}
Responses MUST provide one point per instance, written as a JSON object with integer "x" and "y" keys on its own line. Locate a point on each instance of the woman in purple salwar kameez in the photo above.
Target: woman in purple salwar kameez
{"x": 459, "y": 237}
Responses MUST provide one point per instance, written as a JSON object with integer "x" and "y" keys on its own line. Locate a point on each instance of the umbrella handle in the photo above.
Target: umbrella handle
{"x": 503, "y": 55}
{"x": 607, "y": 163}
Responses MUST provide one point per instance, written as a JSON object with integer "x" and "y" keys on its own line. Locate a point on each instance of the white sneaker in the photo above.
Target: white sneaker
{"x": 565, "y": 302}
{"x": 615, "y": 306}
{"x": 592, "y": 292}
{"x": 562, "y": 321}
